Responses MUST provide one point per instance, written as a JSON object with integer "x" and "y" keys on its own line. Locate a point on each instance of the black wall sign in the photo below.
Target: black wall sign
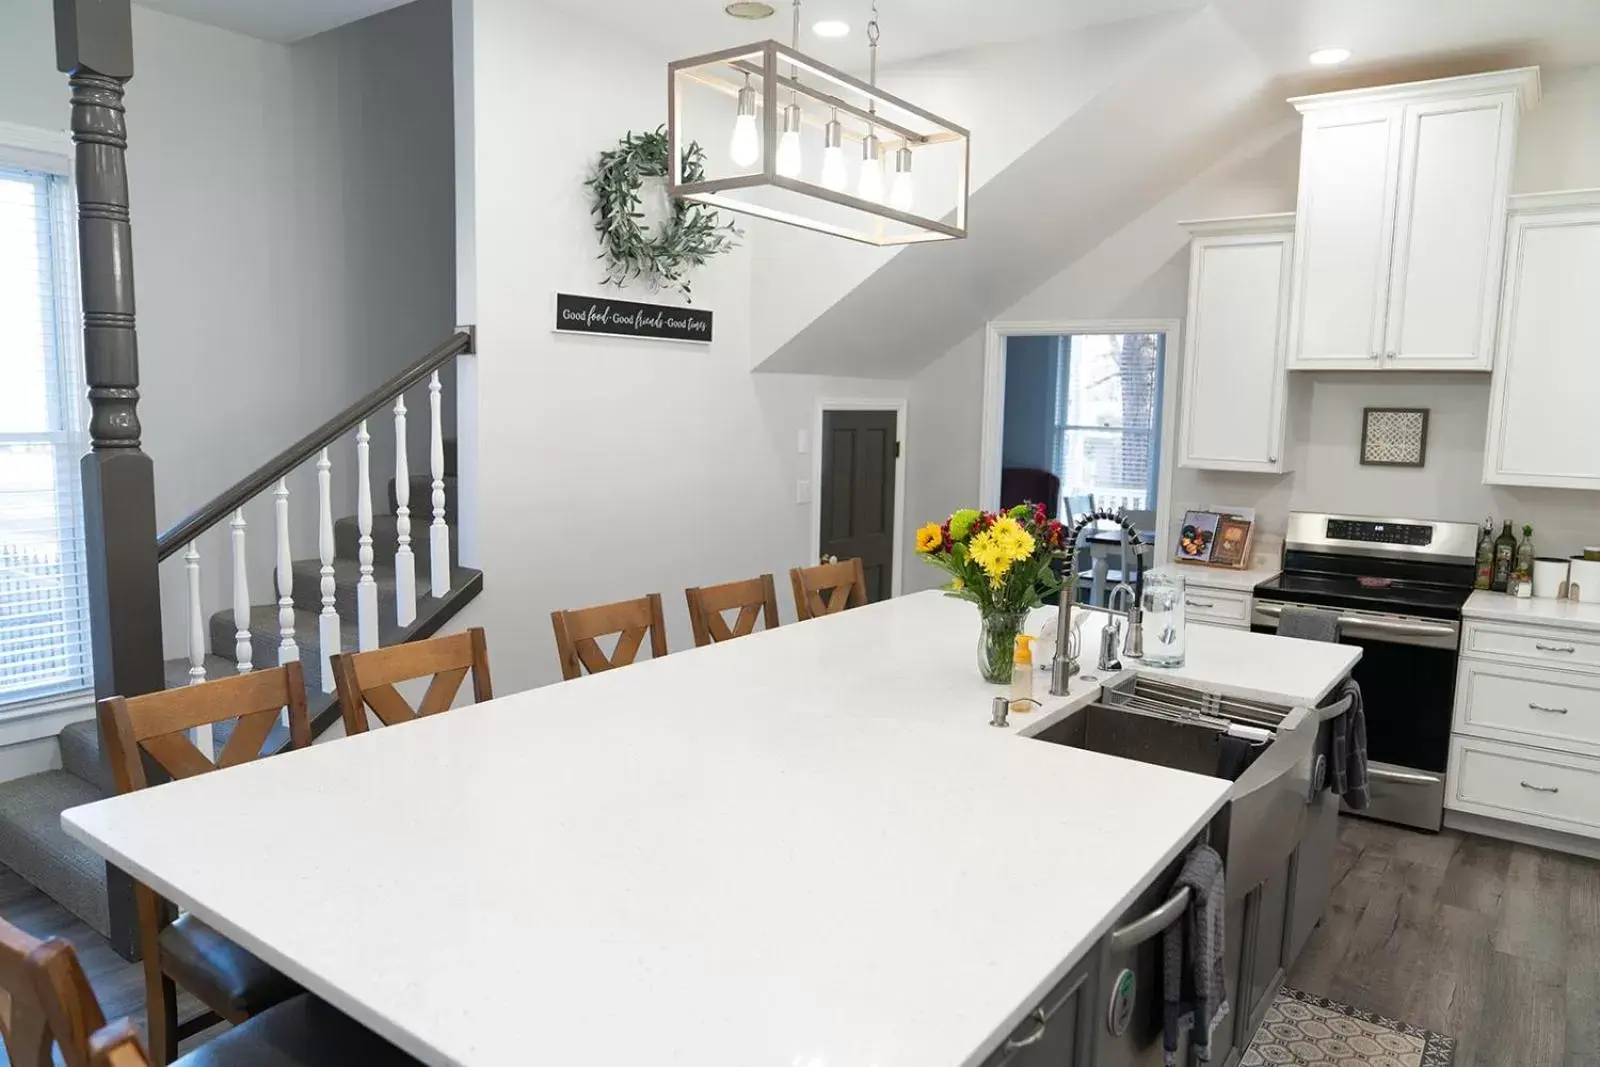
{"x": 624, "y": 318}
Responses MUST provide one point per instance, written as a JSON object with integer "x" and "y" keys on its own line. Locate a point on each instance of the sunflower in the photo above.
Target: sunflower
{"x": 929, "y": 538}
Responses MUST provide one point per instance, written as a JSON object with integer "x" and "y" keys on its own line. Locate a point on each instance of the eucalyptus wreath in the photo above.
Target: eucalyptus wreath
{"x": 690, "y": 237}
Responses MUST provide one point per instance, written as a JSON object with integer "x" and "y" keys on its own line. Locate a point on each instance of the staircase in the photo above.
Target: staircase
{"x": 32, "y": 842}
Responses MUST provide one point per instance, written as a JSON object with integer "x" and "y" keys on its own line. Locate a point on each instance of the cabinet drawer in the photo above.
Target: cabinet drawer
{"x": 1572, "y": 649}
{"x": 1528, "y": 705}
{"x": 1222, "y": 607}
{"x": 1524, "y": 785}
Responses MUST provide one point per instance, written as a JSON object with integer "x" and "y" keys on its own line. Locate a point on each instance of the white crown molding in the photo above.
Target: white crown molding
{"x": 1278, "y": 222}
{"x": 1524, "y": 81}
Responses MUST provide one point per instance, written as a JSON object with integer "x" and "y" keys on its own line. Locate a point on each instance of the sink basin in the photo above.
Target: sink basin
{"x": 1146, "y": 738}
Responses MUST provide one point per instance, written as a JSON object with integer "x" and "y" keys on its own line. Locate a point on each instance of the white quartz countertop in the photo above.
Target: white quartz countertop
{"x": 1535, "y": 611}
{"x": 1224, "y": 578}
{"x": 804, "y": 846}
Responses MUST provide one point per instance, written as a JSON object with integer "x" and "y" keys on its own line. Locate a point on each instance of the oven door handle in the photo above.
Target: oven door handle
{"x": 1399, "y": 629}
{"x": 1147, "y": 926}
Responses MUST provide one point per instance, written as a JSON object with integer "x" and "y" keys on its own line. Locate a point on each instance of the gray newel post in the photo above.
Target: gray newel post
{"x": 94, "y": 46}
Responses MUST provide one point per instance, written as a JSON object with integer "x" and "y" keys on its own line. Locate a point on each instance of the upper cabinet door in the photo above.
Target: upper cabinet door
{"x": 1543, "y": 428}
{"x": 1449, "y": 244}
{"x": 1235, "y": 387}
{"x": 1349, "y": 164}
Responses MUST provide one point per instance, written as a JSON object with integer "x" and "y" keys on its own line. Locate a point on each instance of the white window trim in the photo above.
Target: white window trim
{"x": 31, "y": 148}
{"x": 994, "y": 400}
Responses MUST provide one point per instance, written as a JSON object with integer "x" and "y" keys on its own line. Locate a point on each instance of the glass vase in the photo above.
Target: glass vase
{"x": 997, "y": 644}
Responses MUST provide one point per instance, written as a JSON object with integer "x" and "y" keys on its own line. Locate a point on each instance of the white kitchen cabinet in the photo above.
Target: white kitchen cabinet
{"x": 1543, "y": 427}
{"x": 1400, "y": 226}
{"x": 1235, "y": 379}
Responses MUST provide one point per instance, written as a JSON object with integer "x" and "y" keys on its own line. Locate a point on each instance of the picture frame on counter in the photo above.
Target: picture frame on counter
{"x": 606, "y": 316}
{"x": 1216, "y": 538}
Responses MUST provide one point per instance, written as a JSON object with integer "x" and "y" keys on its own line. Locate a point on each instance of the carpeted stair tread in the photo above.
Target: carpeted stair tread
{"x": 347, "y": 539}
{"x": 346, "y": 576}
{"x": 80, "y": 755}
{"x": 33, "y": 844}
{"x": 421, "y": 502}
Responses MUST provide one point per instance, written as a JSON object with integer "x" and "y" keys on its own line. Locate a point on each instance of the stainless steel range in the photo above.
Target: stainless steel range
{"x": 1398, "y": 586}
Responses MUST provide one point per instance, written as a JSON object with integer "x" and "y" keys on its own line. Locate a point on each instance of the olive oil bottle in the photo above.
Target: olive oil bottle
{"x": 1505, "y": 558}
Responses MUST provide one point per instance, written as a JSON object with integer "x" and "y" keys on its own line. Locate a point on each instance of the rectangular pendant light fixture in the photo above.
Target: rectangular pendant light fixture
{"x": 791, "y": 139}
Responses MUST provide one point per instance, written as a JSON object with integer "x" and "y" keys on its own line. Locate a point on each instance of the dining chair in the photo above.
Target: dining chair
{"x": 754, "y": 597}
{"x": 180, "y": 949}
{"x": 828, "y": 588}
{"x": 46, "y": 1002}
{"x": 367, "y": 679}
{"x": 630, "y": 620}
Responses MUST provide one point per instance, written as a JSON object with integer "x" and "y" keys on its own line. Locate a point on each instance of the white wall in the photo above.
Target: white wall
{"x": 607, "y": 468}
{"x": 1142, "y": 271}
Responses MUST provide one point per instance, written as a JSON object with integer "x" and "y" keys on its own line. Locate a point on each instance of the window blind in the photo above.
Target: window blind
{"x": 1108, "y": 417}
{"x": 45, "y": 645}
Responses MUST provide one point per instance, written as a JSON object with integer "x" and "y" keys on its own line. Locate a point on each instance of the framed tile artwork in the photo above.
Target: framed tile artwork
{"x": 1394, "y": 437}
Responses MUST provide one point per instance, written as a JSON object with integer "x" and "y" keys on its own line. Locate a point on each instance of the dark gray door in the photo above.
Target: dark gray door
{"x": 858, "y": 454}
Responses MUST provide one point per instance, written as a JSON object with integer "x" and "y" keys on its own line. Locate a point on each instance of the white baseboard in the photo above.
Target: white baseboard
{"x": 1537, "y": 836}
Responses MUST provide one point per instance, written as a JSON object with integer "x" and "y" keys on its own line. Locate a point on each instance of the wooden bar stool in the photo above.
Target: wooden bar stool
{"x": 630, "y": 620}
{"x": 46, "y": 1002}
{"x": 366, "y": 679}
{"x": 180, "y": 949}
{"x": 828, "y": 588}
{"x": 753, "y": 597}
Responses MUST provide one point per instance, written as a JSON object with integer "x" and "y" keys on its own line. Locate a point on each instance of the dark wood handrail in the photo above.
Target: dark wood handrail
{"x": 249, "y": 487}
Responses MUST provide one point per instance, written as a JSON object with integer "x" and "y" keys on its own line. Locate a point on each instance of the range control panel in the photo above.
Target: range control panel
{"x": 1380, "y": 533}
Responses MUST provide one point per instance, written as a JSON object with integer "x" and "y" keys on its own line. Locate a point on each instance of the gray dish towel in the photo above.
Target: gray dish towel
{"x": 1194, "y": 989}
{"x": 1347, "y": 750}
{"x": 1308, "y": 624}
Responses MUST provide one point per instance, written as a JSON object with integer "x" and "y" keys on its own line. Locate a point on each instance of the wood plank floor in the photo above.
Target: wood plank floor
{"x": 1495, "y": 944}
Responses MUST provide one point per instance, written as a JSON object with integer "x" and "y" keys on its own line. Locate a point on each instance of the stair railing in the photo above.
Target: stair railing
{"x": 229, "y": 506}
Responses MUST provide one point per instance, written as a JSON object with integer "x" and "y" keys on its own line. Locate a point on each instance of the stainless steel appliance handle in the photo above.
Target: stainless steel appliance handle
{"x": 1145, "y": 927}
{"x": 1541, "y": 788}
{"x": 1554, "y": 648}
{"x": 1415, "y": 629}
{"x": 1041, "y": 1017}
{"x": 1402, "y": 776}
{"x": 1540, "y": 707}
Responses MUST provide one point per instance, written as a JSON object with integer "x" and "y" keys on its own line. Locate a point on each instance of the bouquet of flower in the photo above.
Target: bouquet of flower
{"x": 1000, "y": 562}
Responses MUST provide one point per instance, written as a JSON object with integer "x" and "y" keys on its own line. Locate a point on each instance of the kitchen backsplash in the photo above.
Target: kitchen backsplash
{"x": 1324, "y": 448}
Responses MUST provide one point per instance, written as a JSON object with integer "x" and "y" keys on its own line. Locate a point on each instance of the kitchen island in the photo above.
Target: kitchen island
{"x": 806, "y": 846}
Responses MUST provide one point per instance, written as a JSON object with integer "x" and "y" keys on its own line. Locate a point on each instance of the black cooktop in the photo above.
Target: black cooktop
{"x": 1424, "y": 599}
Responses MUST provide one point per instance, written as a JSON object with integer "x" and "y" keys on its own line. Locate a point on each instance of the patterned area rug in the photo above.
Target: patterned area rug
{"x": 1301, "y": 1030}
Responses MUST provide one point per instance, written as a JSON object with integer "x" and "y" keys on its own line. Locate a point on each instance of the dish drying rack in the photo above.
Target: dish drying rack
{"x": 1171, "y": 700}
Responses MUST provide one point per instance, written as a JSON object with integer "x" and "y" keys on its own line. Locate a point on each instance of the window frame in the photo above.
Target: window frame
{"x": 51, "y": 152}
{"x": 1062, "y": 427}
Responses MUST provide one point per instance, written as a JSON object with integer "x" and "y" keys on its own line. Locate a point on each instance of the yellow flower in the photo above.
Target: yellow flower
{"x": 929, "y": 537}
{"x": 989, "y": 552}
{"x": 1014, "y": 540}
{"x": 956, "y": 585}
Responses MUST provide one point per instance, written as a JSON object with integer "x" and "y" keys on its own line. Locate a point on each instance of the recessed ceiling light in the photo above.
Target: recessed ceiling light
{"x": 749, "y": 9}
{"x": 831, "y": 28}
{"x": 1329, "y": 57}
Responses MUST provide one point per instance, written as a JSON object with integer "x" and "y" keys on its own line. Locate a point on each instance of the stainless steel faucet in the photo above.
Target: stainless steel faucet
{"x": 1064, "y": 666}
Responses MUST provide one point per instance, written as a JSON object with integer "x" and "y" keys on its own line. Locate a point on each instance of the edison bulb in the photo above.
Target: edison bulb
{"x": 745, "y": 148}
{"x": 871, "y": 187}
{"x": 789, "y": 156}
{"x": 835, "y": 175}
{"x": 902, "y": 190}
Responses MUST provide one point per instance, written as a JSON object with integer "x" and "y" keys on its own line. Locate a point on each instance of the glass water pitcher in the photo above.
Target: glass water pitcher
{"x": 1163, "y": 623}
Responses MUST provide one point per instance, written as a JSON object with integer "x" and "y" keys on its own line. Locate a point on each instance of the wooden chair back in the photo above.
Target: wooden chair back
{"x": 117, "y": 1045}
{"x": 828, "y": 588}
{"x": 630, "y": 620}
{"x": 45, "y": 1001}
{"x": 367, "y": 679}
{"x": 754, "y": 597}
{"x": 157, "y": 725}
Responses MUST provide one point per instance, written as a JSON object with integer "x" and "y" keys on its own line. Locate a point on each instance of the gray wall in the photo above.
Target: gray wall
{"x": 1031, "y": 386}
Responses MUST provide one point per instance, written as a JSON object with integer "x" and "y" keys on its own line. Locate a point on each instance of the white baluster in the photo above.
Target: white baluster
{"x": 288, "y": 650}
{"x": 405, "y": 564}
{"x": 197, "y": 641}
{"x": 241, "y": 597}
{"x": 328, "y": 621}
{"x": 367, "y": 587}
{"x": 439, "y": 532}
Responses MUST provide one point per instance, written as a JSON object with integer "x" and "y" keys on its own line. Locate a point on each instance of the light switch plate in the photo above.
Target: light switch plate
{"x": 802, "y": 491}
